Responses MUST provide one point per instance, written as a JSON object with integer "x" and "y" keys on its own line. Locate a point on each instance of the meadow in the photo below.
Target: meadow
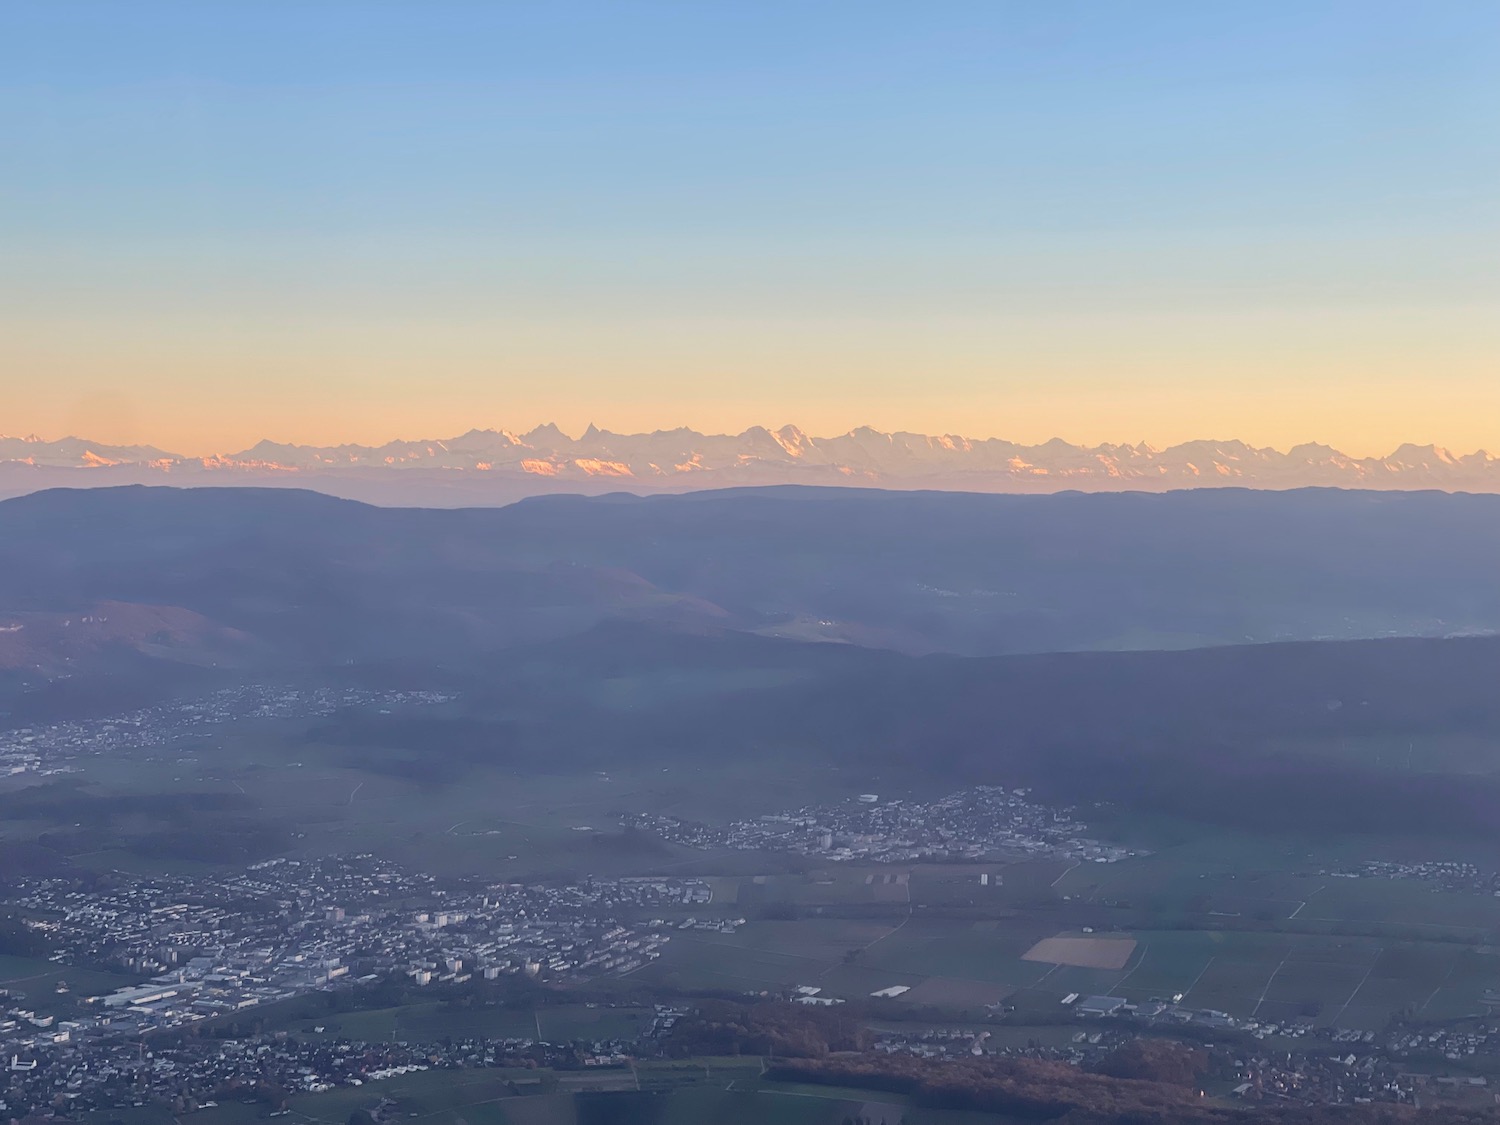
{"x": 36, "y": 980}
{"x": 688, "y": 1092}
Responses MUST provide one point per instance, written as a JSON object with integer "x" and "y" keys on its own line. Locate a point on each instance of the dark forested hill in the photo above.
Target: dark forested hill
{"x": 298, "y": 577}
{"x": 1394, "y": 736}
{"x": 580, "y": 632}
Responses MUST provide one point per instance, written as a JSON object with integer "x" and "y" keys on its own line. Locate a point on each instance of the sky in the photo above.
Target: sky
{"x": 320, "y": 222}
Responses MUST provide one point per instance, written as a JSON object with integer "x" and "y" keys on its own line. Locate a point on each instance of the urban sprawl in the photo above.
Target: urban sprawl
{"x": 211, "y": 948}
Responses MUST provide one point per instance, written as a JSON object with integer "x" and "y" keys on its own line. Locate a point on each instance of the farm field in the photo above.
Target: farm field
{"x": 1011, "y": 883}
{"x": 1348, "y": 981}
{"x": 1266, "y": 880}
{"x": 1081, "y": 952}
{"x": 1273, "y": 978}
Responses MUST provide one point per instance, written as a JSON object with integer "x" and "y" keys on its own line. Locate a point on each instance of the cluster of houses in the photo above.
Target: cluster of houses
{"x": 213, "y": 945}
{"x": 1335, "y": 1067}
{"x": 1448, "y": 875}
{"x": 982, "y": 821}
{"x": 53, "y": 747}
{"x": 184, "y": 1074}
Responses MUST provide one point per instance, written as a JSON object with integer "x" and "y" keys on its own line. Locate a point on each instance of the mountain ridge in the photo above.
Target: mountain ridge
{"x": 489, "y": 465}
{"x": 297, "y": 577}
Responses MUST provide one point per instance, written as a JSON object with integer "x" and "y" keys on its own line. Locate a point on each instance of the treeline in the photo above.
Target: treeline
{"x": 1029, "y": 1089}
{"x": 723, "y": 1027}
{"x": 19, "y": 940}
{"x": 1155, "y": 1060}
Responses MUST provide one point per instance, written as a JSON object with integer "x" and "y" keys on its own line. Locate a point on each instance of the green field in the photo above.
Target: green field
{"x": 433, "y": 1020}
{"x": 690, "y": 1092}
{"x": 1273, "y": 977}
{"x": 37, "y": 979}
{"x": 493, "y": 822}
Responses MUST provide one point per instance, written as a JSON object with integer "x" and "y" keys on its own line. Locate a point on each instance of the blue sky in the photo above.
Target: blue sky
{"x": 1106, "y": 221}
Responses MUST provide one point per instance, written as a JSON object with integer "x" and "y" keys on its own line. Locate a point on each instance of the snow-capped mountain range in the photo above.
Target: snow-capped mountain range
{"x": 499, "y": 466}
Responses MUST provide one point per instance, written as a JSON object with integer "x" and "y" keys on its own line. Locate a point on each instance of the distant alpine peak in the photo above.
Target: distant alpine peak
{"x": 545, "y": 459}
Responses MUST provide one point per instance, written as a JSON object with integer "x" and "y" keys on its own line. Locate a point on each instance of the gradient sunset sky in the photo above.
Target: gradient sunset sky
{"x": 1125, "y": 220}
